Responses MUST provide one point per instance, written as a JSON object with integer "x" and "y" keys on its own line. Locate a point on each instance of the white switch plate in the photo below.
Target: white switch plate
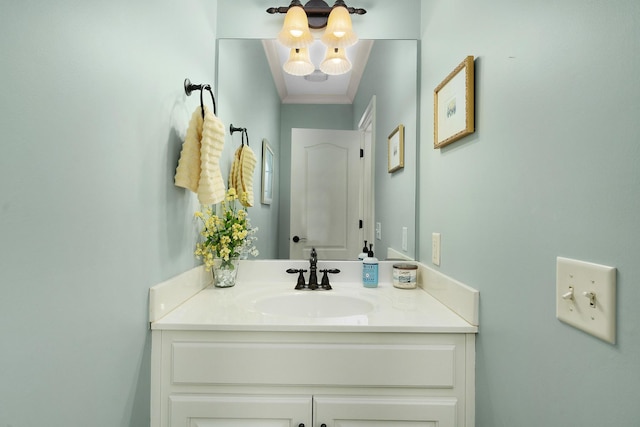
{"x": 435, "y": 248}
{"x": 378, "y": 231}
{"x": 405, "y": 236}
{"x": 575, "y": 281}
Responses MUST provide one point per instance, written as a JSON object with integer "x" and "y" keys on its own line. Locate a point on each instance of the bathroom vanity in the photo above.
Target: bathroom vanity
{"x": 262, "y": 354}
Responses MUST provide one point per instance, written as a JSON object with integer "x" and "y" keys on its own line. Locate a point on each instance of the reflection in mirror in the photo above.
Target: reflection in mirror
{"x": 267, "y": 173}
{"x": 247, "y": 93}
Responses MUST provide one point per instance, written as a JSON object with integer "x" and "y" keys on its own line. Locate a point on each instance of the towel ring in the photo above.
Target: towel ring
{"x": 234, "y": 129}
{"x": 190, "y": 87}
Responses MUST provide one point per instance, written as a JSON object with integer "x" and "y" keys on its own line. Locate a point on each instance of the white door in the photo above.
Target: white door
{"x": 325, "y": 194}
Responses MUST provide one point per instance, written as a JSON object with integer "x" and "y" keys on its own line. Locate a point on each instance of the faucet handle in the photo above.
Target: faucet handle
{"x": 324, "y": 284}
{"x": 300, "y": 284}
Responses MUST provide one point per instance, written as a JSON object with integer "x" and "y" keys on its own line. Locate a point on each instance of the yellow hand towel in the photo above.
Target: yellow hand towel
{"x": 188, "y": 170}
{"x": 199, "y": 164}
{"x": 235, "y": 168}
{"x": 211, "y": 188}
{"x": 247, "y": 166}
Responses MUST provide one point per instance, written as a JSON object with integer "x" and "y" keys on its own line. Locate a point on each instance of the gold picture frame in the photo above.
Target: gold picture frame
{"x": 395, "y": 147}
{"x": 266, "y": 195}
{"x": 454, "y": 105}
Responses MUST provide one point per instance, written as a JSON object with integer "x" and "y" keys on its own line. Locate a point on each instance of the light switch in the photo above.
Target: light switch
{"x": 435, "y": 248}
{"x": 586, "y": 297}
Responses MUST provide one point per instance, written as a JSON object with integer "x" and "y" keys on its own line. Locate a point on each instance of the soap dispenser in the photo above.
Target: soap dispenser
{"x": 370, "y": 270}
{"x": 365, "y": 252}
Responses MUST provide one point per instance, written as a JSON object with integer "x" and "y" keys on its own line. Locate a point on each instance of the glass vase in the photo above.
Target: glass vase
{"x": 225, "y": 273}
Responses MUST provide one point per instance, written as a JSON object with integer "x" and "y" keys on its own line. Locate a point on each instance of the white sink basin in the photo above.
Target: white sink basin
{"x": 313, "y": 304}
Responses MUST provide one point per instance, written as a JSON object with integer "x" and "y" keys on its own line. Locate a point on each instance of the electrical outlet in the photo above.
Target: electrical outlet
{"x": 586, "y": 297}
{"x": 435, "y": 248}
{"x": 405, "y": 237}
{"x": 378, "y": 231}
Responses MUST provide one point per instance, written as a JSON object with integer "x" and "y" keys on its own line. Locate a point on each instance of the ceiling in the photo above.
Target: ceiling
{"x": 334, "y": 90}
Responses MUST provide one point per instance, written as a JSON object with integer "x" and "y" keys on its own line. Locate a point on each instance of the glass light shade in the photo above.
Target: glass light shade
{"x": 299, "y": 63}
{"x": 295, "y": 30}
{"x": 339, "y": 32}
{"x": 335, "y": 62}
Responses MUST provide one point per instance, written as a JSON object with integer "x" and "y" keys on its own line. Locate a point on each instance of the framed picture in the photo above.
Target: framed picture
{"x": 453, "y": 105}
{"x": 396, "y": 149}
{"x": 267, "y": 173}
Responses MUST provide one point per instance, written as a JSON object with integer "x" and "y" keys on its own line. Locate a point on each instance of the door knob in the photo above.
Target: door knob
{"x": 297, "y": 239}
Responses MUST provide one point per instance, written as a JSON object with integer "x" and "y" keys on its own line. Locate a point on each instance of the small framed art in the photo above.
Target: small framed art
{"x": 396, "y": 149}
{"x": 453, "y": 105}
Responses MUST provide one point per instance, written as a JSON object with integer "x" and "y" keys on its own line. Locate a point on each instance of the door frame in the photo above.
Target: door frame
{"x": 367, "y": 128}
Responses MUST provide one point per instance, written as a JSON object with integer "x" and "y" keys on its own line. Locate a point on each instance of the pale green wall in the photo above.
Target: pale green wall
{"x": 248, "y": 98}
{"x": 552, "y": 170}
{"x": 92, "y": 109}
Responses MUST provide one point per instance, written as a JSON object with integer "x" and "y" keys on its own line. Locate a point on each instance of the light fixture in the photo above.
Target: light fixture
{"x": 335, "y": 62}
{"x": 318, "y": 14}
{"x": 295, "y": 31}
{"x": 299, "y": 63}
{"x": 339, "y": 32}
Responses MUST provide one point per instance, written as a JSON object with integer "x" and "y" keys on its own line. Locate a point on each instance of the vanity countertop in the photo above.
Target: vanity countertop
{"x": 233, "y": 309}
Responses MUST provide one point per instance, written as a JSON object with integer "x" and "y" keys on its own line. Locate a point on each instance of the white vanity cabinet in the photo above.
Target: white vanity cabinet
{"x": 215, "y": 378}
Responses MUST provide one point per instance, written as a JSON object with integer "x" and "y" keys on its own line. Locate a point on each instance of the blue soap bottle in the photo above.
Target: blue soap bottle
{"x": 370, "y": 270}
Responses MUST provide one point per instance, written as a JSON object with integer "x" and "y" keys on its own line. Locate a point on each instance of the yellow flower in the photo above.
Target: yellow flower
{"x": 225, "y": 233}
{"x": 231, "y": 195}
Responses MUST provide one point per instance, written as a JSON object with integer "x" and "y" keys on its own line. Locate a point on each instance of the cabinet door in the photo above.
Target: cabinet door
{"x": 239, "y": 411}
{"x": 344, "y": 411}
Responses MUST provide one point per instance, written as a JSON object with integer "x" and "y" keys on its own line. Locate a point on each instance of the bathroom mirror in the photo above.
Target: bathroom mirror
{"x": 247, "y": 95}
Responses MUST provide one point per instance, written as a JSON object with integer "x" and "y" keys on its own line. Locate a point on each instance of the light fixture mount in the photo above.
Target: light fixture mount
{"x": 317, "y": 11}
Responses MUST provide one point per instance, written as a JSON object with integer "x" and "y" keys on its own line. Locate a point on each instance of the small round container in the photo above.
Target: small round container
{"x": 405, "y": 275}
